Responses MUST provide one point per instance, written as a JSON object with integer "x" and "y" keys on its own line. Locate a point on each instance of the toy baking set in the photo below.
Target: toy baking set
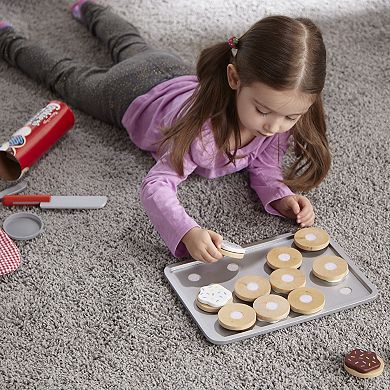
{"x": 278, "y": 282}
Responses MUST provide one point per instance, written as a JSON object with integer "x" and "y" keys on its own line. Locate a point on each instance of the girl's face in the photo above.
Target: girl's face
{"x": 264, "y": 111}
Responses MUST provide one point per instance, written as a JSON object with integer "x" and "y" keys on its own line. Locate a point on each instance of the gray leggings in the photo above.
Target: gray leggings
{"x": 104, "y": 93}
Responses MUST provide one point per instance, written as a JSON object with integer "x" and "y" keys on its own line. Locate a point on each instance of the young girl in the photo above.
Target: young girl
{"x": 250, "y": 95}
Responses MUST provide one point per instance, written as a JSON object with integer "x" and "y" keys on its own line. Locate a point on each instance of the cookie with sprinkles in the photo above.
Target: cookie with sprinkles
{"x": 363, "y": 364}
{"x": 212, "y": 297}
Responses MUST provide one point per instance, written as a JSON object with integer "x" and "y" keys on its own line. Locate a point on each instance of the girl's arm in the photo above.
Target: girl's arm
{"x": 158, "y": 196}
{"x": 180, "y": 232}
{"x": 265, "y": 173}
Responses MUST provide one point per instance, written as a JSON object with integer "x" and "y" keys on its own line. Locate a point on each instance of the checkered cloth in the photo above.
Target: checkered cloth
{"x": 9, "y": 254}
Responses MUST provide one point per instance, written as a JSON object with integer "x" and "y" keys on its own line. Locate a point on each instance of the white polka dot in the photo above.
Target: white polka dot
{"x": 194, "y": 277}
{"x": 284, "y": 257}
{"x": 252, "y": 286}
{"x": 233, "y": 267}
{"x": 345, "y": 290}
{"x": 310, "y": 237}
{"x": 305, "y": 298}
{"x": 330, "y": 266}
{"x": 236, "y": 315}
{"x": 287, "y": 278}
{"x": 271, "y": 306}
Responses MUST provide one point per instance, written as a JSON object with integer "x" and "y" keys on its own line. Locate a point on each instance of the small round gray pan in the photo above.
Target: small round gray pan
{"x": 23, "y": 226}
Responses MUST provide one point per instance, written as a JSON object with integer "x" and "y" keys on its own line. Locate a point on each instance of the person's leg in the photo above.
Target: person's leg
{"x": 88, "y": 88}
{"x": 147, "y": 66}
{"x": 122, "y": 39}
{"x": 104, "y": 93}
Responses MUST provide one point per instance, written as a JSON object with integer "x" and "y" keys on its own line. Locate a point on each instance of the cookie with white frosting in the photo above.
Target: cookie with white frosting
{"x": 212, "y": 297}
{"x": 230, "y": 249}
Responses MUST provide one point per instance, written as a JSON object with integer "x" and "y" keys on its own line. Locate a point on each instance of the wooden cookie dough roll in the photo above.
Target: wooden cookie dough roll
{"x": 284, "y": 257}
{"x": 311, "y": 239}
{"x": 284, "y": 280}
{"x": 271, "y": 308}
{"x": 330, "y": 268}
{"x": 250, "y": 287}
{"x": 237, "y": 316}
{"x": 306, "y": 300}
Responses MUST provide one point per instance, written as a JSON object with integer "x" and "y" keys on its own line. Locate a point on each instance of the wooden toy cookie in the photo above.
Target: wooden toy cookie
{"x": 330, "y": 268}
{"x": 236, "y": 316}
{"x": 363, "y": 364}
{"x": 311, "y": 239}
{"x": 212, "y": 297}
{"x": 306, "y": 300}
{"x": 232, "y": 250}
{"x": 284, "y": 280}
{"x": 284, "y": 257}
{"x": 271, "y": 308}
{"x": 250, "y": 287}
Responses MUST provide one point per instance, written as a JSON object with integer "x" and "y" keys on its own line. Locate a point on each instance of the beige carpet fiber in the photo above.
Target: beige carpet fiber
{"x": 90, "y": 307}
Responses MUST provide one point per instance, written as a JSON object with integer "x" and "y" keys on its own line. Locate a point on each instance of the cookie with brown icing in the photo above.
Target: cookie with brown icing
{"x": 363, "y": 364}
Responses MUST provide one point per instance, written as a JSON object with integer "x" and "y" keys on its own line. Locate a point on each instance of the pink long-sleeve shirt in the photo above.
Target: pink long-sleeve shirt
{"x": 144, "y": 119}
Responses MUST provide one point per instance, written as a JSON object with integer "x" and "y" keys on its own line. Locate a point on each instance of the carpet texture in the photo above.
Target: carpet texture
{"x": 90, "y": 307}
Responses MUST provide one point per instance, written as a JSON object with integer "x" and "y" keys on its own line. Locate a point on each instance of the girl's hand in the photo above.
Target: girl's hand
{"x": 295, "y": 207}
{"x": 202, "y": 244}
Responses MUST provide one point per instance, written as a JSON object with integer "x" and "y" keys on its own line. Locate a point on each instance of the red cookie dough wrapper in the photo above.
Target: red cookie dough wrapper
{"x": 34, "y": 139}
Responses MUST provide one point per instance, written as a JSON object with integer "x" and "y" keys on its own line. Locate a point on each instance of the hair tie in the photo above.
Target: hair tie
{"x": 233, "y": 42}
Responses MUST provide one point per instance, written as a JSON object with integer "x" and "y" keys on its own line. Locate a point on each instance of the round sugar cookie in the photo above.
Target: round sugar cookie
{"x": 208, "y": 308}
{"x": 311, "y": 239}
{"x": 284, "y": 280}
{"x": 250, "y": 287}
{"x": 330, "y": 268}
{"x": 271, "y": 308}
{"x": 232, "y": 250}
{"x": 306, "y": 300}
{"x": 236, "y": 316}
{"x": 363, "y": 364}
{"x": 212, "y": 297}
{"x": 284, "y": 257}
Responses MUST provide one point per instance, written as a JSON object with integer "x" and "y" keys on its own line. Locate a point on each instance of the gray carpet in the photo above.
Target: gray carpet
{"x": 90, "y": 307}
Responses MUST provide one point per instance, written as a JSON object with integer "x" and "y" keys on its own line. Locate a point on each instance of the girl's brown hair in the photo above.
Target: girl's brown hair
{"x": 281, "y": 52}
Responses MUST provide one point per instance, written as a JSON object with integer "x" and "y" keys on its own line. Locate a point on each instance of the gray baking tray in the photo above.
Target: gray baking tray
{"x": 186, "y": 278}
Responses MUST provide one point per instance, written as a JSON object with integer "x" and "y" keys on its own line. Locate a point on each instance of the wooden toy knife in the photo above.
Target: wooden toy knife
{"x": 14, "y": 189}
{"x": 56, "y": 202}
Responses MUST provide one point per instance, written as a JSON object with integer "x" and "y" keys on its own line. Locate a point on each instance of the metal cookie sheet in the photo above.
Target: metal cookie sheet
{"x": 187, "y": 279}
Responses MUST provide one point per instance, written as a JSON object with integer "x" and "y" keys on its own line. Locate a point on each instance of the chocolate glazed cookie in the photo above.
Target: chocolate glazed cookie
{"x": 363, "y": 364}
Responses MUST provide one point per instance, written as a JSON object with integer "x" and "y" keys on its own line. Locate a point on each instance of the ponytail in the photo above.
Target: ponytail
{"x": 311, "y": 149}
{"x": 213, "y": 100}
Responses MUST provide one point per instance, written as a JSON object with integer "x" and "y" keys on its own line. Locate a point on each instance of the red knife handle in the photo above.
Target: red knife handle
{"x": 24, "y": 200}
